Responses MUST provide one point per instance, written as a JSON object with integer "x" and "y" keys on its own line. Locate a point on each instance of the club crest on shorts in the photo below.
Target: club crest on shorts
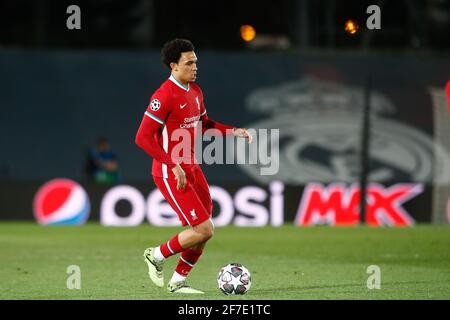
{"x": 155, "y": 105}
{"x": 193, "y": 214}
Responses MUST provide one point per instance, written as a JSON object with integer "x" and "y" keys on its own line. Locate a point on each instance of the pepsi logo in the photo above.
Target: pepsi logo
{"x": 61, "y": 201}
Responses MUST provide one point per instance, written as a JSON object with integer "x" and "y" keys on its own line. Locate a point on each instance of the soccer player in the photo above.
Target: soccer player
{"x": 178, "y": 105}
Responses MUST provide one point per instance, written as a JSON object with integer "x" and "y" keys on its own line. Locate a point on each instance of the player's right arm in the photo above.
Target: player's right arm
{"x": 149, "y": 132}
{"x": 147, "y": 136}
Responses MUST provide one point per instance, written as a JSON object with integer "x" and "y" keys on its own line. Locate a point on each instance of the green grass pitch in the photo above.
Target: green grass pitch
{"x": 286, "y": 262}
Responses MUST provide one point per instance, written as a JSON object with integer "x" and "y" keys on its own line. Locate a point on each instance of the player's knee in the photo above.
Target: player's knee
{"x": 207, "y": 233}
{"x": 205, "y": 230}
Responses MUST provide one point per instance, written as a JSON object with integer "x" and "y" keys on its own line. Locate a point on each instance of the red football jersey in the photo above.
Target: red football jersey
{"x": 172, "y": 107}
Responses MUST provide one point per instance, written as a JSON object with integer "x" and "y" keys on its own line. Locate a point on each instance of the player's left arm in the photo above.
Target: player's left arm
{"x": 224, "y": 129}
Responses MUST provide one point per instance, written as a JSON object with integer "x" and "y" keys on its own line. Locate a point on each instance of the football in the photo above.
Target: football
{"x": 234, "y": 278}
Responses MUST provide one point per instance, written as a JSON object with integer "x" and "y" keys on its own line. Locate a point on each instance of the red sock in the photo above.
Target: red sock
{"x": 171, "y": 247}
{"x": 187, "y": 261}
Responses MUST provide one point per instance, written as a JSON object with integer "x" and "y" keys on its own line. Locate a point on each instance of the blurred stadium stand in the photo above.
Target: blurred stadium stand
{"x": 406, "y": 25}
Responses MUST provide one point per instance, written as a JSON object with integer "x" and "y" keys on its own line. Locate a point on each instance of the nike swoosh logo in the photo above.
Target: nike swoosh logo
{"x": 183, "y": 105}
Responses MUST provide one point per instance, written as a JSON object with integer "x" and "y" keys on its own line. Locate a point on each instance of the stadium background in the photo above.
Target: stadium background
{"x": 332, "y": 95}
{"x": 64, "y": 88}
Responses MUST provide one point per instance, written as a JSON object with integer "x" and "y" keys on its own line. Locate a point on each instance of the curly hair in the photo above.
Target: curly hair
{"x": 171, "y": 51}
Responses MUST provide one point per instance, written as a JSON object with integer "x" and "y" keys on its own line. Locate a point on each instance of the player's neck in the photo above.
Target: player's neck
{"x": 174, "y": 78}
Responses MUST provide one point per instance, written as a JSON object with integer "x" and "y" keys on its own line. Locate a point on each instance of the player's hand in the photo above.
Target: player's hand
{"x": 180, "y": 176}
{"x": 243, "y": 133}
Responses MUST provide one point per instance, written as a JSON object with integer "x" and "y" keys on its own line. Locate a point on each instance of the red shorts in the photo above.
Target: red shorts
{"x": 192, "y": 204}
